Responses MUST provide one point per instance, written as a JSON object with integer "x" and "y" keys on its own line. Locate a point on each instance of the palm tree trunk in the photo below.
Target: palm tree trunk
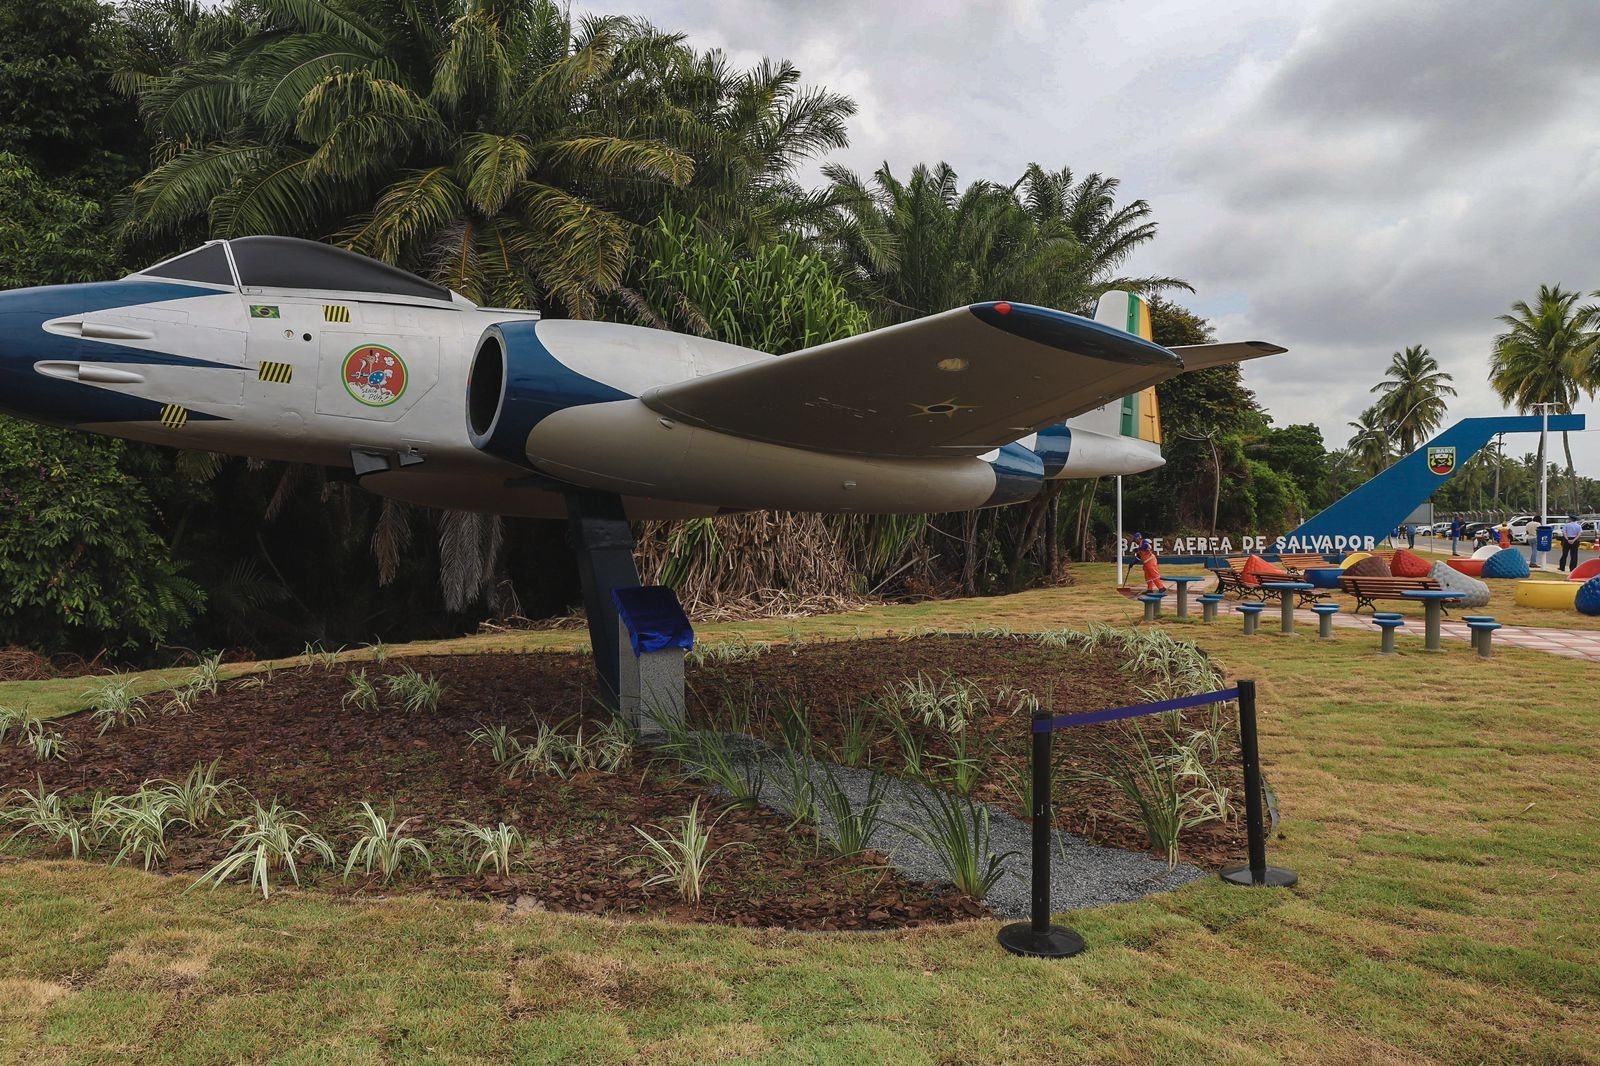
{"x": 969, "y": 553}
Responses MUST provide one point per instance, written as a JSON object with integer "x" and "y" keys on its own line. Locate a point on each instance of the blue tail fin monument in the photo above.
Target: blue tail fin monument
{"x": 1377, "y": 507}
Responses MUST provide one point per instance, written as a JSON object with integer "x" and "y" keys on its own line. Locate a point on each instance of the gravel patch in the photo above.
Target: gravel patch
{"x": 1081, "y": 874}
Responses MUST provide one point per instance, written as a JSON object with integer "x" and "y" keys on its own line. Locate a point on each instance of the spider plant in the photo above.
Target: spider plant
{"x": 613, "y": 744}
{"x": 503, "y": 747}
{"x": 114, "y": 704}
{"x": 199, "y": 795}
{"x": 415, "y": 691}
{"x": 44, "y": 814}
{"x": 682, "y": 855}
{"x": 22, "y": 719}
{"x": 382, "y": 844}
{"x": 203, "y": 680}
{"x": 380, "y": 652}
{"x": 853, "y": 828}
{"x": 363, "y": 694}
{"x": 267, "y": 842}
{"x": 546, "y": 753}
{"x": 1168, "y": 791}
{"x": 317, "y": 655}
{"x": 140, "y": 823}
{"x": 945, "y": 703}
{"x": 46, "y": 744}
{"x": 493, "y": 845}
{"x": 957, "y": 830}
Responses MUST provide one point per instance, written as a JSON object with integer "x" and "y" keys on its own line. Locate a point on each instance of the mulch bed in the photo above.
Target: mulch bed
{"x": 292, "y": 739}
{"x": 838, "y": 679}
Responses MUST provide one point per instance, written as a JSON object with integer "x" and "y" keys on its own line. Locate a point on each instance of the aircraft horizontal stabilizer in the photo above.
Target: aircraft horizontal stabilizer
{"x": 959, "y": 383}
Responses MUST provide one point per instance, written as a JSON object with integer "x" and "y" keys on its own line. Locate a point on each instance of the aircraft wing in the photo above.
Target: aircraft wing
{"x": 1202, "y": 356}
{"x": 958, "y": 383}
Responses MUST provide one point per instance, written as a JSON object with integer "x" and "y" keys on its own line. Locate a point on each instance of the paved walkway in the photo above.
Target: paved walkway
{"x": 1573, "y": 643}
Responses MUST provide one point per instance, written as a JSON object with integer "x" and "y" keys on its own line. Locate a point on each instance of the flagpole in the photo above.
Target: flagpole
{"x": 1119, "y": 531}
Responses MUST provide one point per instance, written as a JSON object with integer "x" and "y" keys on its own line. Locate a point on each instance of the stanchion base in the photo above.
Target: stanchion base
{"x": 1019, "y": 938}
{"x": 1276, "y": 878}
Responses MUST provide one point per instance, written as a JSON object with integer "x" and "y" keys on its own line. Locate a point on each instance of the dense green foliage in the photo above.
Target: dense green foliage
{"x": 81, "y": 564}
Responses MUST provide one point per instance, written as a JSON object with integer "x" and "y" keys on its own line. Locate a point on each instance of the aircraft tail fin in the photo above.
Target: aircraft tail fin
{"x": 1130, "y": 312}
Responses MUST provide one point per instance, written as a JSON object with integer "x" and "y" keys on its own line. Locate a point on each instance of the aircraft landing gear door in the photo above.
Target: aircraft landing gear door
{"x": 374, "y": 374}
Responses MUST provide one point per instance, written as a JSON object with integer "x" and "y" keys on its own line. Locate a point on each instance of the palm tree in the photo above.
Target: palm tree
{"x": 1413, "y": 396}
{"x": 500, "y": 149}
{"x": 1547, "y": 355}
{"x": 915, "y": 247}
{"x": 1371, "y": 448}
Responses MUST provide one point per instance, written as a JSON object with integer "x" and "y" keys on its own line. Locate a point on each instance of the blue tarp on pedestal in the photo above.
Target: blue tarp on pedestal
{"x": 653, "y": 618}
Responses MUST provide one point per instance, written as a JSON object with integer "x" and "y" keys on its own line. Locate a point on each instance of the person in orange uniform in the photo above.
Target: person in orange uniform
{"x": 1145, "y": 552}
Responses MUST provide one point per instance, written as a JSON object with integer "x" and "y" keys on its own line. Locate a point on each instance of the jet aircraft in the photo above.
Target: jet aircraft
{"x": 279, "y": 348}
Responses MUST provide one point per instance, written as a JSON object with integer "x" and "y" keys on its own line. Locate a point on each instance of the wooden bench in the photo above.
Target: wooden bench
{"x": 1297, "y": 564}
{"x": 1231, "y": 582}
{"x": 1366, "y": 590}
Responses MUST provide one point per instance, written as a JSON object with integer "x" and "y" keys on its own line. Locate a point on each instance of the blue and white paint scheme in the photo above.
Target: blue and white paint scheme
{"x": 285, "y": 349}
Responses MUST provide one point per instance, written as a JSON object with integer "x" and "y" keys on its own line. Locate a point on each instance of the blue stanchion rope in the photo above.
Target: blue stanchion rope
{"x": 1112, "y": 714}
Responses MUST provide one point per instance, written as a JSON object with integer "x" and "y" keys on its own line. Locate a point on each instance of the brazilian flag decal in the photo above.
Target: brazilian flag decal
{"x": 263, "y": 311}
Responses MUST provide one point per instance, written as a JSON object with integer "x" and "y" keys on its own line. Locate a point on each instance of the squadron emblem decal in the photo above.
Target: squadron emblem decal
{"x": 375, "y": 375}
{"x": 1441, "y": 460}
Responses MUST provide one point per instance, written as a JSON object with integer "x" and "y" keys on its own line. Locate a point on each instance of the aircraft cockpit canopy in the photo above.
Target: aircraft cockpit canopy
{"x": 290, "y": 263}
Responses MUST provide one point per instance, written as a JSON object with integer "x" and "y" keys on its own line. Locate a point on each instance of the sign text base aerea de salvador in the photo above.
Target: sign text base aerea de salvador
{"x": 1247, "y": 544}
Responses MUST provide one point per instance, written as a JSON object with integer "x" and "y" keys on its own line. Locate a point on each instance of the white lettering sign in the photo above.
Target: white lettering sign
{"x": 1323, "y": 544}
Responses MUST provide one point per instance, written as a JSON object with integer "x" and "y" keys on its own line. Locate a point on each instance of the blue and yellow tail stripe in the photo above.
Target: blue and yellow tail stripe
{"x": 1141, "y": 412}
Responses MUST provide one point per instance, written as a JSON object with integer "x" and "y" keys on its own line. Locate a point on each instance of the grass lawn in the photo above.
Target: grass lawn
{"x": 1440, "y": 810}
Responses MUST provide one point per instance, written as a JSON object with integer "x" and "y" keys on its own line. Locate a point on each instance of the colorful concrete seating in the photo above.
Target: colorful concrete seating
{"x": 1152, "y": 605}
{"x": 1483, "y": 636}
{"x": 1325, "y": 613}
{"x": 1208, "y": 606}
{"x": 1388, "y": 624}
{"x": 1252, "y": 615}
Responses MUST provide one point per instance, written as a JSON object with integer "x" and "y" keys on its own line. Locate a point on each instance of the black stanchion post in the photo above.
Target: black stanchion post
{"x": 1038, "y": 937}
{"x": 1256, "y": 872}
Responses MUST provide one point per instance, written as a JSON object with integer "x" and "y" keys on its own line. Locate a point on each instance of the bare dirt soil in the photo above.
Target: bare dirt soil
{"x": 292, "y": 739}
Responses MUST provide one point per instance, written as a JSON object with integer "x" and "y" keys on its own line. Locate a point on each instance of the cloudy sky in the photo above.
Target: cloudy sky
{"x": 1345, "y": 179}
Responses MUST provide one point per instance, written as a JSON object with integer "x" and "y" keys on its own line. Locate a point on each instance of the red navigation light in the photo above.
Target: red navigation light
{"x": 1002, "y": 309}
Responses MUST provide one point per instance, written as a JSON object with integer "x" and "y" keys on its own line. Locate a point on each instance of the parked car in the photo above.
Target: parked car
{"x": 1522, "y": 527}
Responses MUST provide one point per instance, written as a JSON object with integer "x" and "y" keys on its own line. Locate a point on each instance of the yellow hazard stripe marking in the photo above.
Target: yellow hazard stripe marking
{"x": 174, "y": 416}
{"x": 335, "y": 313}
{"x": 277, "y": 373}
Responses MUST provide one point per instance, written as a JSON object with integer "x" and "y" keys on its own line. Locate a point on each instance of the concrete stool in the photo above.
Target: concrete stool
{"x": 1388, "y": 625}
{"x": 1325, "y": 613}
{"x": 1483, "y": 636}
{"x": 1152, "y": 605}
{"x": 1471, "y": 618}
{"x": 1252, "y": 614}
{"x": 1208, "y": 606}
